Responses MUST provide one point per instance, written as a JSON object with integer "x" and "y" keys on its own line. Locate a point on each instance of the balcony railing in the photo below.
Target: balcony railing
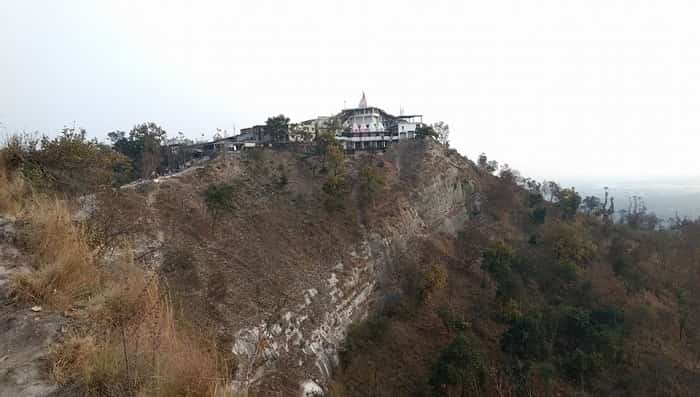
{"x": 365, "y": 133}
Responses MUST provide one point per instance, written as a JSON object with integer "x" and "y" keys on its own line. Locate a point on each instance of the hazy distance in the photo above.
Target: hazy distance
{"x": 602, "y": 91}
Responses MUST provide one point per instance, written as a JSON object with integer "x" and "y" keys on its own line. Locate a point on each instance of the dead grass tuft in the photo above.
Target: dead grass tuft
{"x": 13, "y": 191}
{"x": 142, "y": 350}
{"x": 64, "y": 269}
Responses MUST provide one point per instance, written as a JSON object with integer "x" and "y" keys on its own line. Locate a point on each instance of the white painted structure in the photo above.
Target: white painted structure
{"x": 367, "y": 127}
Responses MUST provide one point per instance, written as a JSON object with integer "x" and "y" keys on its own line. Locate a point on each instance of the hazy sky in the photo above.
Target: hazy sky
{"x": 554, "y": 88}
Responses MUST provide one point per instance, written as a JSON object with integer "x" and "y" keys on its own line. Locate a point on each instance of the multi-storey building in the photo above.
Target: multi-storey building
{"x": 366, "y": 127}
{"x": 361, "y": 128}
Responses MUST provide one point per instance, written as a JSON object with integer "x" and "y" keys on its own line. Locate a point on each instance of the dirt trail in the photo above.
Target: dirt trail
{"x": 25, "y": 335}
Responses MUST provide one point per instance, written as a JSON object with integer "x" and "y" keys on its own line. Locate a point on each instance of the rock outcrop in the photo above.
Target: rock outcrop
{"x": 283, "y": 277}
{"x": 439, "y": 193}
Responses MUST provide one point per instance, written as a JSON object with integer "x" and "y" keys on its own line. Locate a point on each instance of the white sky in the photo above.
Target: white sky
{"x": 557, "y": 89}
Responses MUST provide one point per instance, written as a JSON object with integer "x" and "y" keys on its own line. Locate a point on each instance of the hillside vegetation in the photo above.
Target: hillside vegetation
{"x": 410, "y": 272}
{"x": 123, "y": 335}
{"x": 538, "y": 298}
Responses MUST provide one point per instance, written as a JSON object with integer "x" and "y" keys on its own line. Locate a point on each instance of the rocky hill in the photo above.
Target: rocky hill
{"x": 280, "y": 276}
{"x": 305, "y": 271}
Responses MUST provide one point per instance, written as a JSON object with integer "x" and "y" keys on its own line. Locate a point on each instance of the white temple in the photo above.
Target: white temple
{"x": 367, "y": 127}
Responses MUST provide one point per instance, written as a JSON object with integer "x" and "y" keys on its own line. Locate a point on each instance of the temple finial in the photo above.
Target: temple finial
{"x": 363, "y": 101}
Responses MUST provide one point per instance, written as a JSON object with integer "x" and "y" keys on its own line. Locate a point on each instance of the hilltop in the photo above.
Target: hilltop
{"x": 283, "y": 272}
{"x": 303, "y": 269}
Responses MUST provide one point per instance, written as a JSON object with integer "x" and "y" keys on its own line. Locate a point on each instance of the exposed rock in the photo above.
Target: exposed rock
{"x": 314, "y": 329}
{"x": 8, "y": 231}
{"x": 25, "y": 333}
{"x": 24, "y": 342}
{"x": 87, "y": 206}
{"x": 310, "y": 388}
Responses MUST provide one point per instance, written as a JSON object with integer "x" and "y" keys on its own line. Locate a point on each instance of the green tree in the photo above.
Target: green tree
{"x": 335, "y": 160}
{"x": 486, "y": 165}
{"x": 460, "y": 370}
{"x": 335, "y": 187}
{"x": 529, "y": 337}
{"x": 324, "y": 141}
{"x": 497, "y": 259}
{"x": 219, "y": 199}
{"x": 568, "y": 201}
{"x": 141, "y": 146}
{"x": 336, "y": 183}
{"x": 551, "y": 189}
{"x": 443, "y": 132}
{"x": 500, "y": 261}
{"x": 570, "y": 242}
{"x": 579, "y": 342}
{"x": 538, "y": 215}
{"x": 372, "y": 180}
{"x": 69, "y": 163}
{"x": 278, "y": 128}
{"x": 591, "y": 205}
{"x": 426, "y": 131}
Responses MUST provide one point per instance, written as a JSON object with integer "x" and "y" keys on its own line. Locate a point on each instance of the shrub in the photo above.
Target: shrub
{"x": 571, "y": 243}
{"x": 69, "y": 163}
{"x": 451, "y": 321}
{"x": 498, "y": 258}
{"x": 178, "y": 259}
{"x": 432, "y": 280}
{"x": 324, "y": 142}
{"x": 335, "y": 188}
{"x": 142, "y": 147}
{"x": 426, "y": 131}
{"x": 538, "y": 215}
{"x": 372, "y": 180}
{"x": 461, "y": 367}
{"x": 580, "y": 342}
{"x": 363, "y": 335}
{"x": 527, "y": 338}
{"x": 219, "y": 199}
{"x": 282, "y": 180}
{"x": 500, "y": 261}
{"x": 568, "y": 201}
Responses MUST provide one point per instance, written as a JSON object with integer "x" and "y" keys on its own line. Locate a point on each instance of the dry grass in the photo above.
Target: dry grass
{"x": 129, "y": 341}
{"x": 64, "y": 267}
{"x": 139, "y": 348}
{"x": 64, "y": 270}
{"x": 13, "y": 192}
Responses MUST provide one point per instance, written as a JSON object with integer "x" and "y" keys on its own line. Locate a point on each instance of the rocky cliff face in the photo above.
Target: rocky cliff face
{"x": 304, "y": 274}
{"x": 442, "y": 195}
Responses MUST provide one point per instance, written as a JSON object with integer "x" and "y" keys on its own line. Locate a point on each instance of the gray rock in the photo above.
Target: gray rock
{"x": 8, "y": 230}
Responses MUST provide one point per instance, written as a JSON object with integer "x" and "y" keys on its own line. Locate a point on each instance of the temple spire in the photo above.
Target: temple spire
{"x": 363, "y": 101}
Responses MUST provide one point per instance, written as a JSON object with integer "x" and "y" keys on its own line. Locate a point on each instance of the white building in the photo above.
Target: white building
{"x": 306, "y": 131}
{"x": 366, "y": 127}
